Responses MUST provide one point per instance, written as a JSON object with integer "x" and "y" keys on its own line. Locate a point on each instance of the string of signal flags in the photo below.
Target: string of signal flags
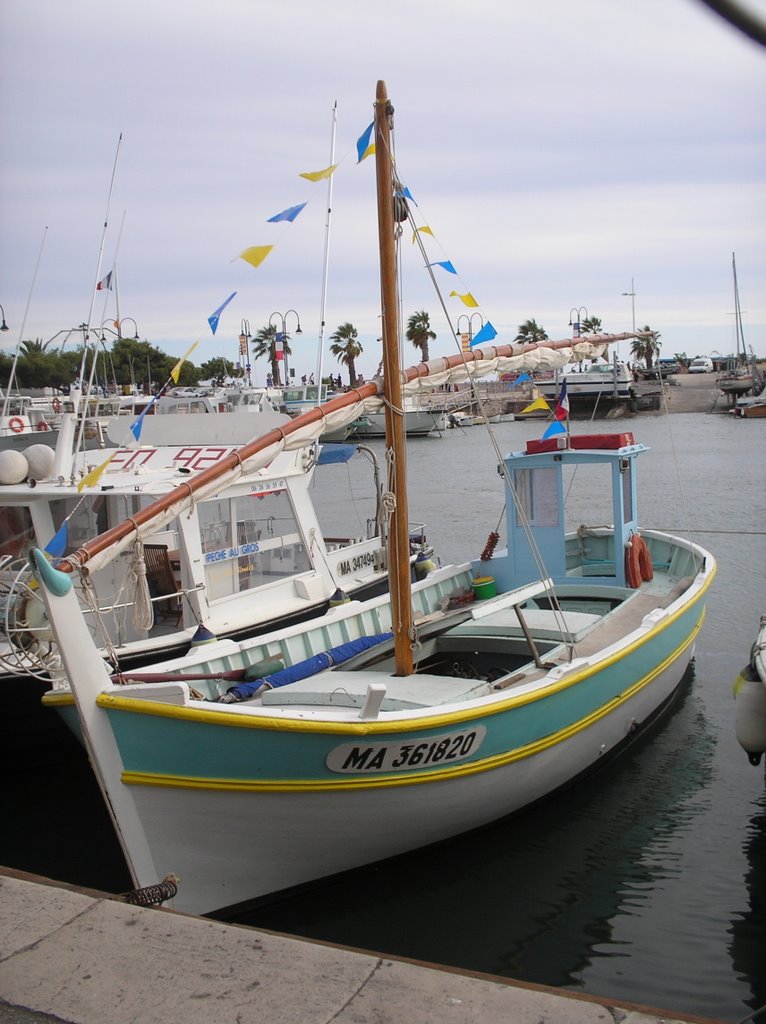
{"x": 365, "y": 147}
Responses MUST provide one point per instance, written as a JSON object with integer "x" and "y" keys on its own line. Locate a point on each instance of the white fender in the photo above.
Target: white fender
{"x": 750, "y": 714}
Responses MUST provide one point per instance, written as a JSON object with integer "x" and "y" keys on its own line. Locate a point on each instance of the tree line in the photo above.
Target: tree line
{"x": 136, "y": 363}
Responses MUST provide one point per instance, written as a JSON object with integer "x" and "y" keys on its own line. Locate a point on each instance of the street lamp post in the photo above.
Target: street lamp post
{"x": 632, "y": 295}
{"x": 4, "y": 326}
{"x": 118, "y": 324}
{"x": 283, "y": 339}
{"x": 244, "y": 339}
{"x": 576, "y": 319}
{"x": 469, "y": 332}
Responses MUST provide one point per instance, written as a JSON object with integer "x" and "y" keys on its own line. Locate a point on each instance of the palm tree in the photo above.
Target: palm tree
{"x": 265, "y": 346}
{"x": 530, "y": 330}
{"x": 591, "y": 325}
{"x": 646, "y": 348}
{"x": 346, "y": 348}
{"x": 419, "y": 332}
{"x": 31, "y": 348}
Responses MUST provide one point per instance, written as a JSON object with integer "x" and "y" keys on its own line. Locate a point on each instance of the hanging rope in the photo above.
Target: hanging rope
{"x": 90, "y": 599}
{"x": 143, "y": 609}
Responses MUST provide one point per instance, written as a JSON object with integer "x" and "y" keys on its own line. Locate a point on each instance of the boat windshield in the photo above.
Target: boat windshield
{"x": 250, "y": 541}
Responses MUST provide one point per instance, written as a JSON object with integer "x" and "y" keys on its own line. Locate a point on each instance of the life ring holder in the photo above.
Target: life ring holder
{"x": 43, "y": 425}
{"x": 16, "y": 425}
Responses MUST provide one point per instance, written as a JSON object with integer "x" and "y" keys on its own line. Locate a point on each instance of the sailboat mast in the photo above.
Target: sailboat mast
{"x": 399, "y": 542}
{"x": 326, "y": 267}
{"x": 740, "y": 335}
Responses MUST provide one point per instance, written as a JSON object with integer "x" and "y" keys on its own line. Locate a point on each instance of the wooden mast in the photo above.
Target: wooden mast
{"x": 399, "y": 541}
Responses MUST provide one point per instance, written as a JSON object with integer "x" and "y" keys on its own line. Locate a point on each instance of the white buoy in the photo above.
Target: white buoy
{"x": 40, "y": 459}
{"x": 14, "y": 467}
{"x": 750, "y": 714}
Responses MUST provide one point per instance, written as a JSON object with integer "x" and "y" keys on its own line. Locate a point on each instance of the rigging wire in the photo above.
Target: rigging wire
{"x": 481, "y": 404}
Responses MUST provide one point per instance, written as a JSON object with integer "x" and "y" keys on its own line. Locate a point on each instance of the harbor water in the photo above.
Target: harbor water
{"x": 646, "y": 883}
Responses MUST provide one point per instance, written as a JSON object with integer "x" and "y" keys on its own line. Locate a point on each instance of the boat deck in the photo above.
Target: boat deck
{"x": 492, "y": 648}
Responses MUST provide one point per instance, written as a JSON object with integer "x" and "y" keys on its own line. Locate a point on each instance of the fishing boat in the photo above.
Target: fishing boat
{"x": 738, "y": 378}
{"x": 750, "y": 700}
{"x": 241, "y": 559}
{"x": 247, "y": 768}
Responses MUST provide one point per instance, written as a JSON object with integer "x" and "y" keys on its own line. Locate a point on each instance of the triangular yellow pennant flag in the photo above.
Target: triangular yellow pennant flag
{"x": 539, "y": 403}
{"x": 318, "y": 175}
{"x": 175, "y": 373}
{"x": 95, "y": 474}
{"x": 256, "y": 254}
{"x": 467, "y": 299}
{"x": 423, "y": 231}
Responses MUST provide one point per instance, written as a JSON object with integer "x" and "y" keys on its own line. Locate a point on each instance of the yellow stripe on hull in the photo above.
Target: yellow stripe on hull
{"x": 466, "y": 714}
{"x": 415, "y": 778}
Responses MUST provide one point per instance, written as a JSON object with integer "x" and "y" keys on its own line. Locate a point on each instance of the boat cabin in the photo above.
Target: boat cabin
{"x": 539, "y": 543}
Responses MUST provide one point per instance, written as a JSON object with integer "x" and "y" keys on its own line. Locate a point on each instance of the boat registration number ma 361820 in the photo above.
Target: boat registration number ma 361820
{"x": 448, "y": 748}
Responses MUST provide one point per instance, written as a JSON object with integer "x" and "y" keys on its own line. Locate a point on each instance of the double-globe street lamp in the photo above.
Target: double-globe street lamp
{"x": 4, "y": 326}
{"x": 576, "y": 319}
{"x": 244, "y": 350}
{"x": 282, "y": 338}
{"x": 469, "y": 332}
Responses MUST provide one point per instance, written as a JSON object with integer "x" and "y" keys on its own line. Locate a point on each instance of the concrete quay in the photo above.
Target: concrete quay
{"x": 69, "y": 954}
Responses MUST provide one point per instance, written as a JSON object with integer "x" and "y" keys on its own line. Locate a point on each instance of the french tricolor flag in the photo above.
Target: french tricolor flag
{"x": 105, "y": 283}
{"x": 562, "y": 405}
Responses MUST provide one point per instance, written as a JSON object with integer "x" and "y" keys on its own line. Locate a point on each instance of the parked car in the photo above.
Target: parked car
{"x": 702, "y": 364}
{"x": 663, "y": 368}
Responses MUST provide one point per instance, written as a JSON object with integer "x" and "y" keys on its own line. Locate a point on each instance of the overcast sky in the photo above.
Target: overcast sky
{"x": 563, "y": 153}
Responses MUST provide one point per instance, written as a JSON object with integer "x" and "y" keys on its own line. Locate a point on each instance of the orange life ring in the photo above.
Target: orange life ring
{"x": 645, "y": 561}
{"x": 42, "y": 425}
{"x": 56, "y": 405}
{"x": 16, "y": 425}
{"x": 638, "y": 562}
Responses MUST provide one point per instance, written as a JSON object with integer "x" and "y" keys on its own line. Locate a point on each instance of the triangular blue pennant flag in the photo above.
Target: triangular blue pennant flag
{"x": 137, "y": 427}
{"x": 487, "y": 333}
{"x": 57, "y": 545}
{"x": 363, "y": 142}
{"x": 289, "y": 214}
{"x": 408, "y": 195}
{"x": 446, "y": 264}
{"x": 215, "y": 317}
{"x": 557, "y": 427}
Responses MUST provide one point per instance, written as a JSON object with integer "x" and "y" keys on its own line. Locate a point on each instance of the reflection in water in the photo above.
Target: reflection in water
{"x": 748, "y": 929}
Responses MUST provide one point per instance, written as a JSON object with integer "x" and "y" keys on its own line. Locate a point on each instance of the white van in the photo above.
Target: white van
{"x": 702, "y": 364}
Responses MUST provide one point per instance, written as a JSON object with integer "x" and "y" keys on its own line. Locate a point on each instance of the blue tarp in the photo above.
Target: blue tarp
{"x": 310, "y": 667}
{"x": 335, "y": 452}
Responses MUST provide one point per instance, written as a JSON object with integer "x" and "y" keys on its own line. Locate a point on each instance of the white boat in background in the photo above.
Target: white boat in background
{"x": 241, "y": 559}
{"x": 246, "y": 768}
{"x": 417, "y": 423}
{"x": 590, "y": 381}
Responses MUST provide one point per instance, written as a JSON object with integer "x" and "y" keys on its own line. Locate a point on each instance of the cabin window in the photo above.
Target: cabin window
{"x": 627, "y": 496}
{"x": 16, "y": 532}
{"x": 249, "y": 542}
{"x": 537, "y": 493}
{"x": 86, "y": 518}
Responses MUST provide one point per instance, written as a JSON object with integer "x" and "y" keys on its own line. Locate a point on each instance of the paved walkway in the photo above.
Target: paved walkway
{"x": 81, "y": 957}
